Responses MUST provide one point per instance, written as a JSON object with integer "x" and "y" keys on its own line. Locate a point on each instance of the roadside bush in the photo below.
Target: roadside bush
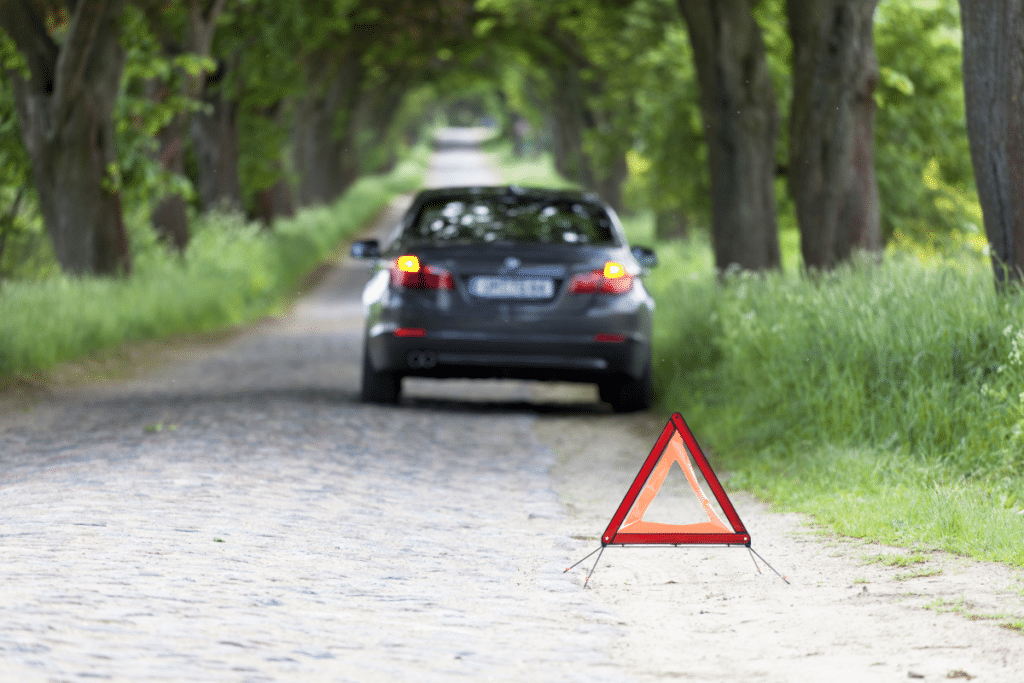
{"x": 886, "y": 398}
{"x": 233, "y": 272}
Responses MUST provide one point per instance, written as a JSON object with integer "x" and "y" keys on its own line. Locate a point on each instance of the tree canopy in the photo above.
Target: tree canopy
{"x": 708, "y": 114}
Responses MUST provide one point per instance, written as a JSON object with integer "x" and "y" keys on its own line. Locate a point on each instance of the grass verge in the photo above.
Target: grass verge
{"x": 233, "y": 273}
{"x": 886, "y": 399}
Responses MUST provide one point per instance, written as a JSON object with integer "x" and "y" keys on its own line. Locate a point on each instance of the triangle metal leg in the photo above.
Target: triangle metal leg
{"x": 594, "y": 567}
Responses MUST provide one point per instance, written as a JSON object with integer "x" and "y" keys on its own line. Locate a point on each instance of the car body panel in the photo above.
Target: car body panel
{"x": 508, "y": 311}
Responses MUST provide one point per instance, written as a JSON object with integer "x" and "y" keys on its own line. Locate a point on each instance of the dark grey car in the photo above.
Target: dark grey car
{"x": 508, "y": 282}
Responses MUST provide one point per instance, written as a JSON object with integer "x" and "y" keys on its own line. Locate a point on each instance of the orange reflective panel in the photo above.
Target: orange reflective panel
{"x": 700, "y": 521}
{"x": 675, "y": 452}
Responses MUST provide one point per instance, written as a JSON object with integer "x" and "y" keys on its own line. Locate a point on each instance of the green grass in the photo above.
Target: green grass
{"x": 886, "y": 399}
{"x": 232, "y": 273}
{"x": 967, "y": 610}
{"x": 893, "y": 560}
{"x": 918, "y": 574}
{"x": 532, "y": 171}
{"x": 883, "y": 399}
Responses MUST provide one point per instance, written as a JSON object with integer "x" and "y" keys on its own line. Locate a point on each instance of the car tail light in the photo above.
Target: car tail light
{"x": 410, "y": 332}
{"x": 407, "y": 272}
{"x": 611, "y": 338}
{"x": 612, "y": 279}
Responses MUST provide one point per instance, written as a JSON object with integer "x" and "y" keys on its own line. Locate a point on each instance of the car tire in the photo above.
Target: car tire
{"x": 609, "y": 391}
{"x": 379, "y": 387}
{"x": 630, "y": 396}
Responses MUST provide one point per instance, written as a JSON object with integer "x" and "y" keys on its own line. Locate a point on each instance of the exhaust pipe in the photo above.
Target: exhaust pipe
{"x": 422, "y": 359}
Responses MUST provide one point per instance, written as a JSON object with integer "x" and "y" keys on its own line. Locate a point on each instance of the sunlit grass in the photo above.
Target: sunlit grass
{"x": 894, "y": 560}
{"x": 886, "y": 399}
{"x": 535, "y": 170}
{"x": 233, "y": 272}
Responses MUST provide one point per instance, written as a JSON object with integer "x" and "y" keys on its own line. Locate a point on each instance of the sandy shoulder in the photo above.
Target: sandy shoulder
{"x": 706, "y": 613}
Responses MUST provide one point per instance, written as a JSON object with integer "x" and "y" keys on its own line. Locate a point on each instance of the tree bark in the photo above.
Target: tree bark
{"x": 671, "y": 224}
{"x": 170, "y": 214}
{"x": 372, "y": 125}
{"x": 573, "y": 119}
{"x": 65, "y": 109}
{"x": 325, "y": 153}
{"x": 993, "y": 54}
{"x": 272, "y": 197}
{"x": 274, "y": 202}
{"x": 831, "y": 169}
{"x": 215, "y": 140}
{"x": 740, "y": 125}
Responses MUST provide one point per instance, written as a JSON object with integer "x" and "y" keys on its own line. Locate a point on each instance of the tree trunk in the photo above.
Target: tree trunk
{"x": 272, "y": 197}
{"x": 517, "y": 130}
{"x": 64, "y": 109}
{"x": 993, "y": 53}
{"x": 831, "y": 169}
{"x": 574, "y": 119}
{"x": 274, "y": 202}
{"x": 325, "y": 154}
{"x": 571, "y": 118}
{"x": 740, "y": 125}
{"x": 671, "y": 224}
{"x": 215, "y": 140}
{"x": 170, "y": 215}
{"x": 371, "y": 126}
{"x": 608, "y": 182}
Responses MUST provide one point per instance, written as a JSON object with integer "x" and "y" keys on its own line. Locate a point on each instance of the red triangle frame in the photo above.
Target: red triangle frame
{"x": 613, "y": 536}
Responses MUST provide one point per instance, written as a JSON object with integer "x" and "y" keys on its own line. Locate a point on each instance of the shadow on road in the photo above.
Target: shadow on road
{"x": 524, "y": 407}
{"x": 150, "y": 403}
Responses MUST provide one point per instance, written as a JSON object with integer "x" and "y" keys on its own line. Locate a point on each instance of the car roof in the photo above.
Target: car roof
{"x": 535, "y": 193}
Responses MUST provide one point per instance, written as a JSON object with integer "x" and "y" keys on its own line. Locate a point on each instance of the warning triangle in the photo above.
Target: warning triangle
{"x": 676, "y": 446}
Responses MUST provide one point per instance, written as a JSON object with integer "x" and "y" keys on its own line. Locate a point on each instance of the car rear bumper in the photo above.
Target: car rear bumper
{"x": 451, "y": 353}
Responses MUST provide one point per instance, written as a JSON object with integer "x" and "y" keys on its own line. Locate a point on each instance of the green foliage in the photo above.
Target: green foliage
{"x": 668, "y": 167}
{"x": 922, "y": 156}
{"x": 884, "y": 398}
{"x": 536, "y": 171}
{"x": 233, "y": 272}
{"x": 23, "y": 244}
{"x": 139, "y": 114}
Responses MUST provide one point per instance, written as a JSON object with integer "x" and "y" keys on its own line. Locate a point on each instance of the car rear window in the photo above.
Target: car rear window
{"x": 471, "y": 220}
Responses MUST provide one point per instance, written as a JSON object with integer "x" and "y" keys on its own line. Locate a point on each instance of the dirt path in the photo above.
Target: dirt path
{"x": 238, "y": 515}
{"x": 705, "y": 614}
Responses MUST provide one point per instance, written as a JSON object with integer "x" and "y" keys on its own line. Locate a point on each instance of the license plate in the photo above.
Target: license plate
{"x": 509, "y": 288}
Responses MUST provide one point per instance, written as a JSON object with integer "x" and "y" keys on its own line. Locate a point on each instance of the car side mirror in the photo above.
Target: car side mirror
{"x": 366, "y": 249}
{"x": 645, "y": 256}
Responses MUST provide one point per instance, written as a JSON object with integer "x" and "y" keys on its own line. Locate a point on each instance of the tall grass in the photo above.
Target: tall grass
{"x": 534, "y": 170}
{"x": 232, "y": 272}
{"x": 885, "y": 398}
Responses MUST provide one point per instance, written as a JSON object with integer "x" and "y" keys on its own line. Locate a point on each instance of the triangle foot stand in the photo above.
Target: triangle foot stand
{"x": 676, "y": 445}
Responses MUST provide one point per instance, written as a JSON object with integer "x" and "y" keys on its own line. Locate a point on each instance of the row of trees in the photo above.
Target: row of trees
{"x": 706, "y": 114}
{"x": 672, "y": 104}
{"x": 248, "y": 104}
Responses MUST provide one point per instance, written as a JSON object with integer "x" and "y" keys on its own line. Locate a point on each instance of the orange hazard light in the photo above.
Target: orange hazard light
{"x": 613, "y": 270}
{"x": 408, "y": 264}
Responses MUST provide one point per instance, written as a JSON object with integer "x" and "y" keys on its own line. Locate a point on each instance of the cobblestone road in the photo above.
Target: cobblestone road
{"x": 242, "y": 517}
